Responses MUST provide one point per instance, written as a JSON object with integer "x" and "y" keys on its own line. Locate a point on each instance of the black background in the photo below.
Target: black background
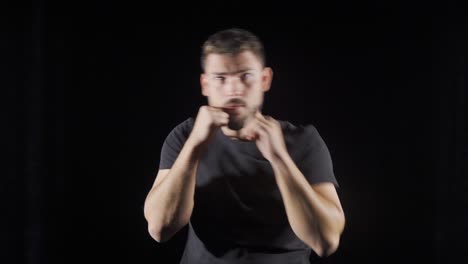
{"x": 92, "y": 90}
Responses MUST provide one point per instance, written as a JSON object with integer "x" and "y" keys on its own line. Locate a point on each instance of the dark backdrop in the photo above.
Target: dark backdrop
{"x": 92, "y": 90}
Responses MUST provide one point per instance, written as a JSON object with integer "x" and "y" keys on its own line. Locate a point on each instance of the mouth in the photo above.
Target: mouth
{"x": 234, "y": 106}
{"x": 233, "y": 109}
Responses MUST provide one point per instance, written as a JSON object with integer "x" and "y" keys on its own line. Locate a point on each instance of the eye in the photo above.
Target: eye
{"x": 246, "y": 76}
{"x": 220, "y": 78}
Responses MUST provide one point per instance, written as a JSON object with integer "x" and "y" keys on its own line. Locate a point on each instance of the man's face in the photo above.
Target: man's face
{"x": 236, "y": 82}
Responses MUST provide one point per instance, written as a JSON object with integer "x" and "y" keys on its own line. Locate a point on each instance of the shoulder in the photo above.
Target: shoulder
{"x": 298, "y": 130}
{"x": 182, "y": 129}
{"x": 186, "y": 125}
{"x": 174, "y": 142}
{"x": 303, "y": 136}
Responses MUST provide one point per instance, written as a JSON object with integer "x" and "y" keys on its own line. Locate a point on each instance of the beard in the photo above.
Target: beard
{"x": 238, "y": 122}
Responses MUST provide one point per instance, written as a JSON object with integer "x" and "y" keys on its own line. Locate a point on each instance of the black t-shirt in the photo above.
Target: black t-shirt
{"x": 239, "y": 215}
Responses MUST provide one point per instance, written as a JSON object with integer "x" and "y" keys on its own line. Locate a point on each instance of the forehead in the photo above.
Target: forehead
{"x": 216, "y": 62}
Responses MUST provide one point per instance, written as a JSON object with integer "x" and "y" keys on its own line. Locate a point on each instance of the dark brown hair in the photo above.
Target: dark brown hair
{"x": 232, "y": 41}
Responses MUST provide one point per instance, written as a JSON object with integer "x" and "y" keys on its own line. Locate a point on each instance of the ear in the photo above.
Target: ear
{"x": 204, "y": 84}
{"x": 267, "y": 77}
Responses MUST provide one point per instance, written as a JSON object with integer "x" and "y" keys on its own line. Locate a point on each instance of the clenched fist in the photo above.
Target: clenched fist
{"x": 208, "y": 120}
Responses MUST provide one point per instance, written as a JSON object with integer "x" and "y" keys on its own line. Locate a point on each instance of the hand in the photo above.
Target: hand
{"x": 208, "y": 120}
{"x": 268, "y": 136}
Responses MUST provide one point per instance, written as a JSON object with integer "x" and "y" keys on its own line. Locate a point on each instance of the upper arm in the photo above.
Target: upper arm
{"x": 173, "y": 144}
{"x": 171, "y": 148}
{"x": 314, "y": 159}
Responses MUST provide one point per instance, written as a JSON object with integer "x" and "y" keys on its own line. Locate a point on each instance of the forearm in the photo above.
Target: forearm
{"x": 169, "y": 204}
{"x": 315, "y": 220}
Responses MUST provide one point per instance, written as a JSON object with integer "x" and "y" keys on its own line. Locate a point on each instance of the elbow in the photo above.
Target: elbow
{"x": 329, "y": 244}
{"x": 324, "y": 247}
{"x": 155, "y": 233}
{"x": 328, "y": 247}
{"x": 162, "y": 227}
{"x": 162, "y": 233}
{"x": 156, "y": 230}
{"x": 159, "y": 234}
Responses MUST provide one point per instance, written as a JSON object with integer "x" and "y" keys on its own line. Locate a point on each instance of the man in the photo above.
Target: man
{"x": 252, "y": 189}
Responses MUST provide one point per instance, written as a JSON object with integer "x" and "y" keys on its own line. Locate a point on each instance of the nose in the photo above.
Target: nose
{"x": 234, "y": 87}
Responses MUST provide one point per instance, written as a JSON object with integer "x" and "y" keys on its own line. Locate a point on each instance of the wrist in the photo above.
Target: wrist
{"x": 280, "y": 159}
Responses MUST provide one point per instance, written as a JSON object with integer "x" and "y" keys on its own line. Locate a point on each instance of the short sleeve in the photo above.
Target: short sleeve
{"x": 174, "y": 142}
{"x": 315, "y": 162}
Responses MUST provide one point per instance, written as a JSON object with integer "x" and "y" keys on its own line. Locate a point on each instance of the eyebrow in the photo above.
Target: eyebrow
{"x": 232, "y": 73}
